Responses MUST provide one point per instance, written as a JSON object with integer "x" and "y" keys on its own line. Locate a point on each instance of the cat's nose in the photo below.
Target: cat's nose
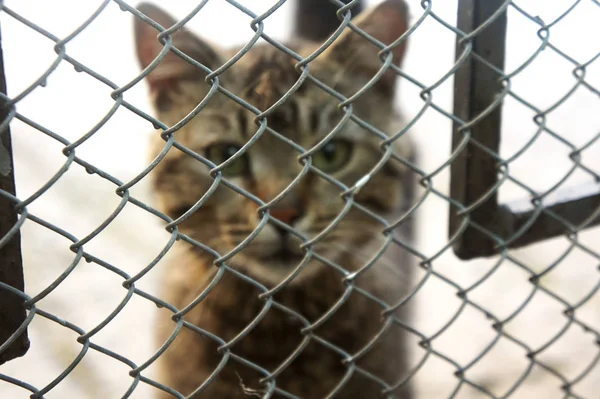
{"x": 287, "y": 215}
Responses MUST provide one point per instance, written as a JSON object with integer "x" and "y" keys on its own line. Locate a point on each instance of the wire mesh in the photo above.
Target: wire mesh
{"x": 462, "y": 374}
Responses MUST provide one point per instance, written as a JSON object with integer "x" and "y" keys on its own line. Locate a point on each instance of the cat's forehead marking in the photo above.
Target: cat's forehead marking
{"x": 262, "y": 77}
{"x": 268, "y": 75}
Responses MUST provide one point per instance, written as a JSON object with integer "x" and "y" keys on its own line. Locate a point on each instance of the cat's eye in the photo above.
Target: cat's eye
{"x": 333, "y": 156}
{"x": 219, "y": 153}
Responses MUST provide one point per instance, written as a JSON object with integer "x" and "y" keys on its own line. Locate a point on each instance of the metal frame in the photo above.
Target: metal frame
{"x": 482, "y": 226}
{"x": 12, "y": 309}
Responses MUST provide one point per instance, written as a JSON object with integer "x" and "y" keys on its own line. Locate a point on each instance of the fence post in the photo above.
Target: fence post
{"x": 12, "y": 311}
{"x": 476, "y": 87}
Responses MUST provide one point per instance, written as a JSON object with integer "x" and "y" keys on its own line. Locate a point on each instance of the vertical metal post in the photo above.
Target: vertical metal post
{"x": 476, "y": 87}
{"x": 12, "y": 311}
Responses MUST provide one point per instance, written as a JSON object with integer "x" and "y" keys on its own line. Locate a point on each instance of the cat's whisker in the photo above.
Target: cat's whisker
{"x": 367, "y": 256}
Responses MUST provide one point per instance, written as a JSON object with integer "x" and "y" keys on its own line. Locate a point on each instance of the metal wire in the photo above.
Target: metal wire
{"x": 427, "y": 263}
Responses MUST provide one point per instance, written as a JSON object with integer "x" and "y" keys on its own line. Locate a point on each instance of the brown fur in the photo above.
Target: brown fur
{"x": 262, "y": 77}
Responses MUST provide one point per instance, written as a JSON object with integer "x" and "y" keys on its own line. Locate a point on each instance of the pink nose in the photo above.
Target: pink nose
{"x": 285, "y": 215}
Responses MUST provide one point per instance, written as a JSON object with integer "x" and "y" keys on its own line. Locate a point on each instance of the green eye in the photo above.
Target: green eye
{"x": 220, "y": 153}
{"x": 333, "y": 156}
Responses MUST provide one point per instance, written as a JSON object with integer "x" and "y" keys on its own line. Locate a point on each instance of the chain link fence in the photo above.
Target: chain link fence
{"x": 522, "y": 323}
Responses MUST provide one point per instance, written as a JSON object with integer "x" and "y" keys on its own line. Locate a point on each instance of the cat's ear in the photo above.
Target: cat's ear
{"x": 355, "y": 54}
{"x": 172, "y": 68}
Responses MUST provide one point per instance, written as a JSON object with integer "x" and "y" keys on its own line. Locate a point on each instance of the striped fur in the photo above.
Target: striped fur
{"x": 262, "y": 77}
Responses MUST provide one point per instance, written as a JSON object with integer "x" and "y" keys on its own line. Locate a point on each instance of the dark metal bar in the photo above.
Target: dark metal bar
{"x": 315, "y": 19}
{"x": 584, "y": 210}
{"x": 476, "y": 87}
{"x": 12, "y": 311}
{"x": 474, "y": 173}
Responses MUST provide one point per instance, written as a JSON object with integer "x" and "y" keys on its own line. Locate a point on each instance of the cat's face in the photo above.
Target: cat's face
{"x": 313, "y": 200}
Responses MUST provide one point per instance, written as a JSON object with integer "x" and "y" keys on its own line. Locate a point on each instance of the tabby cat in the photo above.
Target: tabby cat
{"x": 325, "y": 331}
